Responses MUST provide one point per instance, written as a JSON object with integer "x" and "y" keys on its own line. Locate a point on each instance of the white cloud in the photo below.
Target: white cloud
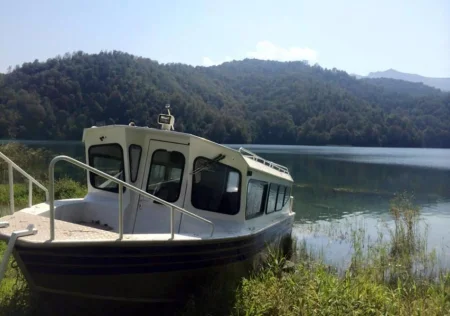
{"x": 268, "y": 51}
{"x": 209, "y": 62}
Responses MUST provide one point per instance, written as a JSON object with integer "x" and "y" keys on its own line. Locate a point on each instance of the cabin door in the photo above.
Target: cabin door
{"x": 165, "y": 177}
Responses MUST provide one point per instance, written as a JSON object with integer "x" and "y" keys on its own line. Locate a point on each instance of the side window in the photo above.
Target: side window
{"x": 134, "y": 153}
{"x": 272, "y": 200}
{"x": 109, "y": 159}
{"x": 280, "y": 197}
{"x": 215, "y": 187}
{"x": 256, "y": 198}
{"x": 166, "y": 174}
{"x": 287, "y": 195}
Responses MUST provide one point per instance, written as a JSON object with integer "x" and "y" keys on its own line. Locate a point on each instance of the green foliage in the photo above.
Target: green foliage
{"x": 33, "y": 161}
{"x": 64, "y": 189}
{"x": 67, "y": 188}
{"x": 314, "y": 290}
{"x": 14, "y": 293}
{"x": 255, "y": 101}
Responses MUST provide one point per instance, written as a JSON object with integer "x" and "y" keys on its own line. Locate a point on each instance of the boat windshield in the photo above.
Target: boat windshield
{"x": 109, "y": 159}
{"x": 166, "y": 173}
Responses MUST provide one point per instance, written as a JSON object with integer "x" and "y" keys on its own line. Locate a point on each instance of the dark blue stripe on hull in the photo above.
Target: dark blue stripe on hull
{"x": 100, "y": 260}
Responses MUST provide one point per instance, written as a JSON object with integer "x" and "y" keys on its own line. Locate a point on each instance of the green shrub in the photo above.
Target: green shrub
{"x": 33, "y": 161}
{"x": 64, "y": 189}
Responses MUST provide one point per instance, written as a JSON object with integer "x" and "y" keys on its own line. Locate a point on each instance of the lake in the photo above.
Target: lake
{"x": 340, "y": 186}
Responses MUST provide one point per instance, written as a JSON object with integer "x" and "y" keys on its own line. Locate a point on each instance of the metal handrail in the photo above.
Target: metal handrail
{"x": 31, "y": 181}
{"x": 121, "y": 185}
{"x": 253, "y": 156}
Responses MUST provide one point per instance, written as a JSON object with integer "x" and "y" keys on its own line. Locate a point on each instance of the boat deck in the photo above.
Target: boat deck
{"x": 71, "y": 232}
{"x": 64, "y": 231}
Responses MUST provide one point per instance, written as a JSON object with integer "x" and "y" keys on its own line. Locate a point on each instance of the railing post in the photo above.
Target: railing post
{"x": 51, "y": 193}
{"x": 172, "y": 233}
{"x": 11, "y": 188}
{"x": 30, "y": 193}
{"x": 120, "y": 211}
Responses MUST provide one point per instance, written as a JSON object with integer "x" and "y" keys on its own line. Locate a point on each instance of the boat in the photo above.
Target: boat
{"x": 164, "y": 210}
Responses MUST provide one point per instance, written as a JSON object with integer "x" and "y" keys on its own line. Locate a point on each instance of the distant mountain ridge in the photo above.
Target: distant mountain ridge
{"x": 439, "y": 83}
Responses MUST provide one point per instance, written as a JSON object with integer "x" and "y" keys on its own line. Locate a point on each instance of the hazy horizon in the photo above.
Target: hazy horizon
{"x": 359, "y": 38}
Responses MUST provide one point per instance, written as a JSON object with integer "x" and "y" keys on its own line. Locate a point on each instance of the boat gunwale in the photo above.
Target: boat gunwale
{"x": 58, "y": 243}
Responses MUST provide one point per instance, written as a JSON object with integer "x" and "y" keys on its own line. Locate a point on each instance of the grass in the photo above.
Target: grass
{"x": 312, "y": 289}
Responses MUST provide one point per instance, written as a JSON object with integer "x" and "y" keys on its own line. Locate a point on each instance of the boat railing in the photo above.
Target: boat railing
{"x": 271, "y": 164}
{"x": 121, "y": 184}
{"x": 12, "y": 166}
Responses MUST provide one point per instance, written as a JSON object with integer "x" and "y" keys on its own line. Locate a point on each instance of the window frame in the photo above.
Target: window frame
{"x": 239, "y": 204}
{"x": 93, "y": 175}
{"x": 289, "y": 192}
{"x": 276, "y": 198}
{"x": 181, "y": 177}
{"x": 138, "y": 162}
{"x": 263, "y": 202}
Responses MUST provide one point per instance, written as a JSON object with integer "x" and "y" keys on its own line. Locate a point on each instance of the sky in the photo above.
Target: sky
{"x": 358, "y": 36}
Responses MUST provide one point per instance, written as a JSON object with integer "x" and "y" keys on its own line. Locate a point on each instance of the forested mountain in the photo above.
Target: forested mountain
{"x": 245, "y": 101}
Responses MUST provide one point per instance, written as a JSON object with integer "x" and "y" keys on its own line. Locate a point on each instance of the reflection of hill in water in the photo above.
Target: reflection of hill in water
{"x": 327, "y": 188}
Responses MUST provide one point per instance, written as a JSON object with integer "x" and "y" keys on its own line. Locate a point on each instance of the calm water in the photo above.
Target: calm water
{"x": 340, "y": 186}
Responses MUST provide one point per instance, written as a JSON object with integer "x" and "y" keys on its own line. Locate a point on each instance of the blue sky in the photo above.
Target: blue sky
{"x": 358, "y": 36}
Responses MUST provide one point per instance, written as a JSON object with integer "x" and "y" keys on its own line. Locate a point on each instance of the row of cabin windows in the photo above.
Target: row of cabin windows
{"x": 215, "y": 186}
{"x": 264, "y": 198}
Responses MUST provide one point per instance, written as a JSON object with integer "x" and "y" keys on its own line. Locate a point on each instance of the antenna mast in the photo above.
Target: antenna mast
{"x": 166, "y": 120}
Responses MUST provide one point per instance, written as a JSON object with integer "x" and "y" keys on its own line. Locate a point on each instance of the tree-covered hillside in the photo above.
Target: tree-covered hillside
{"x": 238, "y": 102}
